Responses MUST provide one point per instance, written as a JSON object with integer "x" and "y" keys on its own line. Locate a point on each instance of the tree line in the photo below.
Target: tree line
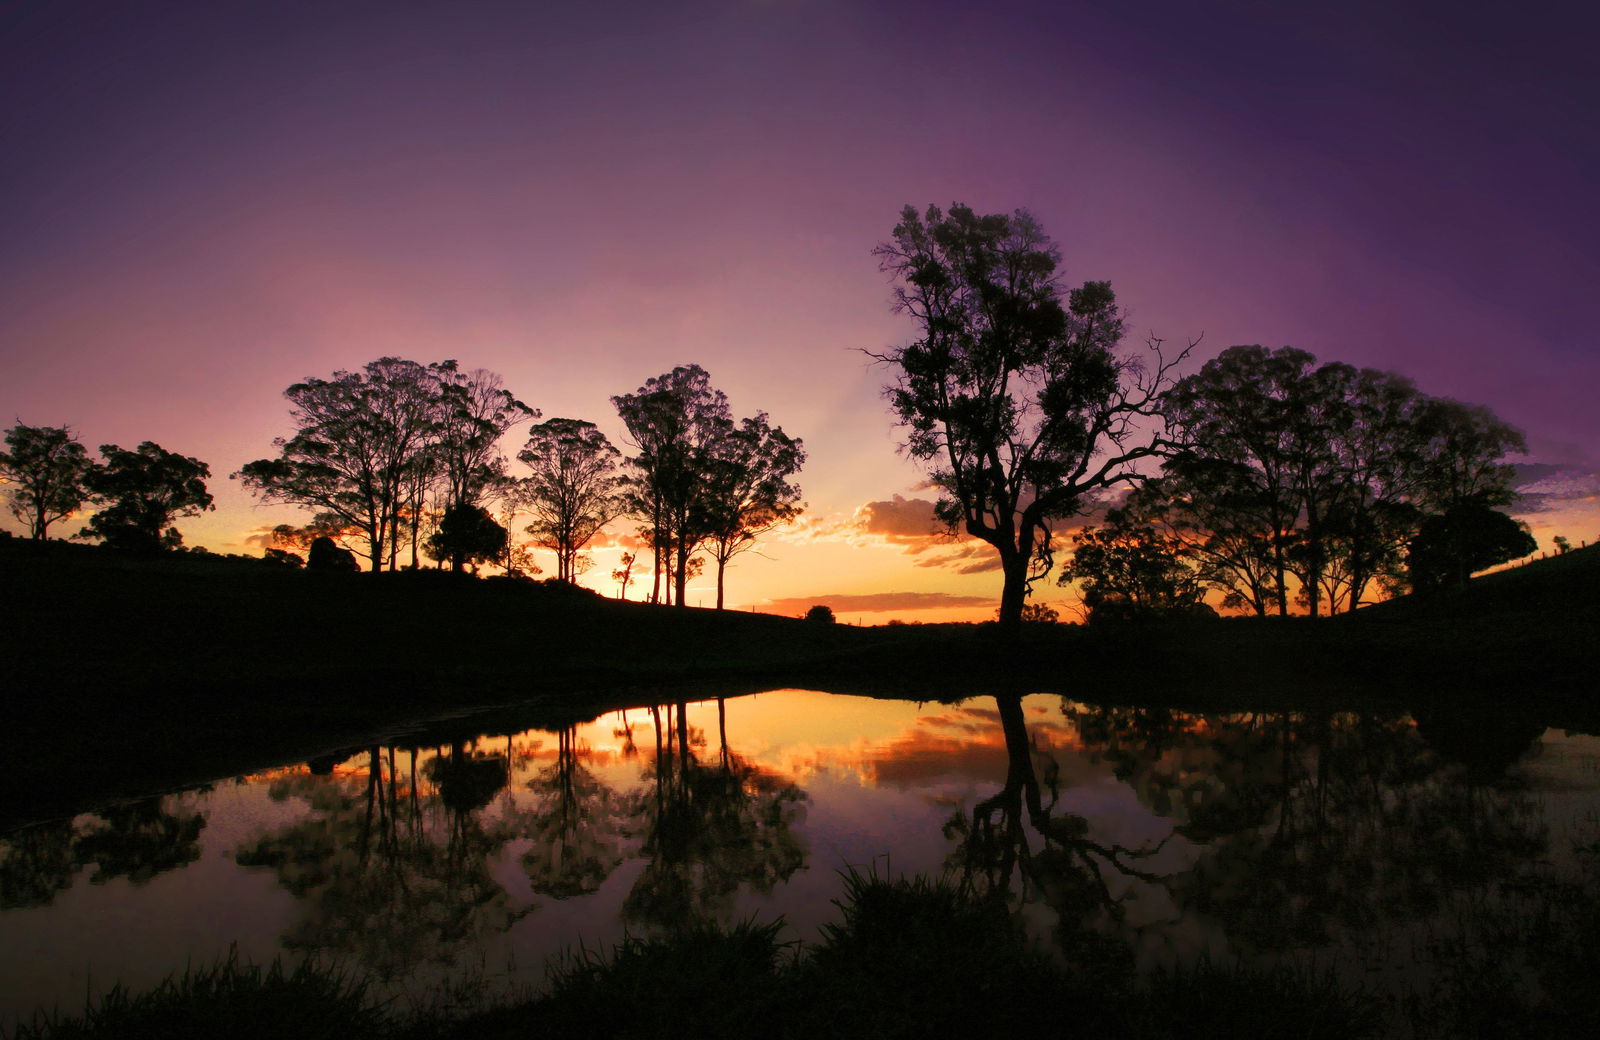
{"x": 405, "y": 459}
{"x": 1261, "y": 476}
{"x": 1261, "y": 473}
{"x": 138, "y": 492}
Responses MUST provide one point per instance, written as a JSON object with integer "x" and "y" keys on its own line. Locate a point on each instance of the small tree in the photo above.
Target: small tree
{"x": 141, "y": 492}
{"x": 467, "y": 534}
{"x": 623, "y": 574}
{"x": 1130, "y": 572}
{"x": 46, "y": 466}
{"x": 821, "y": 614}
{"x": 748, "y": 492}
{"x": 1469, "y": 537}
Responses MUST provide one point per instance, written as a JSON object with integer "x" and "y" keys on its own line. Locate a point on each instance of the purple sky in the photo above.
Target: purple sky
{"x": 203, "y": 203}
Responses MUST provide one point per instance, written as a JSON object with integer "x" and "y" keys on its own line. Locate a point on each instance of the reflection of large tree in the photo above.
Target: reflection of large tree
{"x": 136, "y": 841}
{"x": 391, "y": 872}
{"x": 140, "y": 840}
{"x": 1316, "y": 826}
{"x": 577, "y": 822}
{"x": 1017, "y": 842}
{"x": 710, "y": 828}
{"x": 36, "y": 863}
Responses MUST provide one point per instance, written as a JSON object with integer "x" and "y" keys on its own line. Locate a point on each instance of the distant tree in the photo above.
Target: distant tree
{"x": 467, "y": 534}
{"x": 748, "y": 492}
{"x": 141, "y": 492}
{"x": 820, "y": 614}
{"x": 326, "y": 555}
{"x": 676, "y": 421}
{"x": 361, "y": 440}
{"x": 1014, "y": 395}
{"x": 1562, "y": 544}
{"x": 282, "y": 558}
{"x": 1130, "y": 571}
{"x": 46, "y": 467}
{"x": 1468, "y": 537}
{"x": 474, "y": 411}
{"x": 623, "y": 575}
{"x": 1039, "y": 614}
{"x": 575, "y": 489}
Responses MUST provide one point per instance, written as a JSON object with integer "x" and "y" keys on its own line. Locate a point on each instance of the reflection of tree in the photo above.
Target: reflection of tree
{"x": 709, "y": 828}
{"x": 140, "y": 840}
{"x": 578, "y": 826}
{"x": 388, "y": 874}
{"x": 136, "y": 841}
{"x": 1016, "y": 836}
{"x": 35, "y": 864}
{"x": 1316, "y": 826}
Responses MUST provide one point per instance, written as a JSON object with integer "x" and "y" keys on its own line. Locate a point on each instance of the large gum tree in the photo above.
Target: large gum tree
{"x": 1015, "y": 394}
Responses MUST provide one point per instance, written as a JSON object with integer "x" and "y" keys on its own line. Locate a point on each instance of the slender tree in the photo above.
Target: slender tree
{"x": 46, "y": 467}
{"x": 575, "y": 489}
{"x": 1014, "y": 394}
{"x": 748, "y": 492}
{"x": 141, "y": 492}
{"x": 676, "y": 421}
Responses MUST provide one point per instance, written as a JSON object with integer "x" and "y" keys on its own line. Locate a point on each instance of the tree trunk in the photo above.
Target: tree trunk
{"x": 1013, "y": 595}
{"x": 721, "y": 566}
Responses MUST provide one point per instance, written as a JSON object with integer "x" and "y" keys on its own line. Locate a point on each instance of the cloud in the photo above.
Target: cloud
{"x": 875, "y": 602}
{"x": 901, "y": 521}
{"x": 1542, "y": 487}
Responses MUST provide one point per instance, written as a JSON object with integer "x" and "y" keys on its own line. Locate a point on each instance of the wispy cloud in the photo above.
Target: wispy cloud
{"x": 1542, "y": 487}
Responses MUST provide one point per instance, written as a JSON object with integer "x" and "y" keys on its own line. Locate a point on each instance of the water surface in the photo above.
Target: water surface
{"x": 455, "y": 870}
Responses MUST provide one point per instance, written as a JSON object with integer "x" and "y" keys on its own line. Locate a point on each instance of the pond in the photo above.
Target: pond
{"x": 1357, "y": 843}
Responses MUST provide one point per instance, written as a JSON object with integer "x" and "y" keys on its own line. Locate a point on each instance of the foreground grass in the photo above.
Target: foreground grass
{"x": 909, "y": 958}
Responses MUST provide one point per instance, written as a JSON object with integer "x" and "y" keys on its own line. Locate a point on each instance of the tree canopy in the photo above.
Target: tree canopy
{"x": 140, "y": 492}
{"x": 46, "y": 467}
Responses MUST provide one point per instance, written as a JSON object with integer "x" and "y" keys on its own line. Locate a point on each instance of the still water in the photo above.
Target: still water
{"x": 454, "y": 871}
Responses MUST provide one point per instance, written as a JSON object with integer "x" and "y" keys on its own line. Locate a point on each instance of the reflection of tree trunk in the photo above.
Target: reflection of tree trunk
{"x": 722, "y": 723}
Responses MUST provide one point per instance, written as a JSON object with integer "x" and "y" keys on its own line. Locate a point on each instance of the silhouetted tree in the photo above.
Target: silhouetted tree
{"x": 676, "y": 421}
{"x": 748, "y": 492}
{"x": 467, "y": 534}
{"x": 1238, "y": 418}
{"x": 1129, "y": 570}
{"x": 1320, "y": 473}
{"x": 46, "y": 467}
{"x": 575, "y": 489}
{"x": 1015, "y": 397}
{"x": 282, "y": 558}
{"x": 820, "y": 614}
{"x": 140, "y": 492}
{"x": 361, "y": 437}
{"x": 326, "y": 555}
{"x": 1468, "y": 537}
{"x": 623, "y": 574}
{"x": 473, "y": 411}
